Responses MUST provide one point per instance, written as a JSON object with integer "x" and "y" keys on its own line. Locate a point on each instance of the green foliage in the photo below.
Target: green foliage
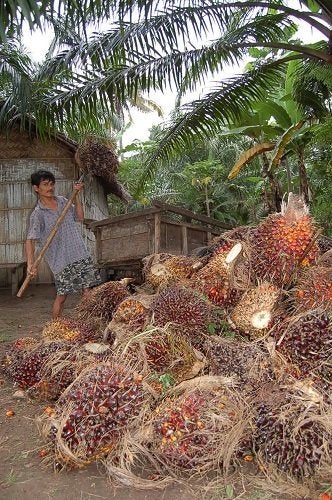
{"x": 319, "y": 161}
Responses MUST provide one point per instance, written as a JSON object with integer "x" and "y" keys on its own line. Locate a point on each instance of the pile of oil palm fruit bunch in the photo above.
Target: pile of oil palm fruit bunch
{"x": 209, "y": 366}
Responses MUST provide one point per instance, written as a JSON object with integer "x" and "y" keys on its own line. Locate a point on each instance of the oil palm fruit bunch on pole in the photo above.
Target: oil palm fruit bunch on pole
{"x": 93, "y": 413}
{"x": 284, "y": 243}
{"x": 100, "y": 159}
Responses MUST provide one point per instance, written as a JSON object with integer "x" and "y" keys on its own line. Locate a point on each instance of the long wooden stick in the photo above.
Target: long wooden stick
{"x": 49, "y": 239}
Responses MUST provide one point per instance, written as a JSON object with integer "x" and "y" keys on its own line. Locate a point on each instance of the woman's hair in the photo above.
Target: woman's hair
{"x": 41, "y": 175}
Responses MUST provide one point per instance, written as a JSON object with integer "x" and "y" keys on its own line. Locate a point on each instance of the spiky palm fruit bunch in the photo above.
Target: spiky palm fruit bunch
{"x": 172, "y": 353}
{"x": 244, "y": 361}
{"x": 132, "y": 312}
{"x": 321, "y": 378}
{"x": 293, "y": 434}
{"x": 305, "y": 341}
{"x": 102, "y": 301}
{"x": 27, "y": 373}
{"x": 97, "y": 158}
{"x": 229, "y": 238}
{"x": 188, "y": 432}
{"x": 324, "y": 244}
{"x": 185, "y": 310}
{"x": 94, "y": 412}
{"x": 222, "y": 246}
{"x": 214, "y": 282}
{"x": 281, "y": 244}
{"x": 313, "y": 290}
{"x": 253, "y": 314}
{"x": 68, "y": 330}
{"x": 15, "y": 354}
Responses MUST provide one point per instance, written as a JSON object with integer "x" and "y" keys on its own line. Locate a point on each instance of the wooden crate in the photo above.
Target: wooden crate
{"x": 122, "y": 241}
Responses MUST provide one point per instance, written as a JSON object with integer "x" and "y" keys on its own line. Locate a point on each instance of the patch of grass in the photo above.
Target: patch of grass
{"x": 10, "y": 479}
{"x": 259, "y": 495}
{"x": 4, "y": 337}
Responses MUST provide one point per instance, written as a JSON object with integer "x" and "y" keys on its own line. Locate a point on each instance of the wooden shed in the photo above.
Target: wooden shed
{"x": 22, "y": 153}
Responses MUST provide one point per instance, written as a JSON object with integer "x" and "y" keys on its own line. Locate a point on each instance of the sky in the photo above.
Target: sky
{"x": 37, "y": 44}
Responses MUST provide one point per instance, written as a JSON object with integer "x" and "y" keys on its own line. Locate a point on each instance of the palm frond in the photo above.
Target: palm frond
{"x": 312, "y": 87}
{"x": 282, "y": 143}
{"x": 203, "y": 118}
{"x": 248, "y": 156}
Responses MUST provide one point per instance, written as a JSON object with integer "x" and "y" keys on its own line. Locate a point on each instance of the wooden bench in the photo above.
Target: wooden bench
{"x": 18, "y": 272}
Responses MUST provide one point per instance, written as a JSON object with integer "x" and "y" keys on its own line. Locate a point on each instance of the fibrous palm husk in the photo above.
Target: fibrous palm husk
{"x": 153, "y": 261}
{"x": 161, "y": 351}
{"x": 173, "y": 270}
{"x": 254, "y": 313}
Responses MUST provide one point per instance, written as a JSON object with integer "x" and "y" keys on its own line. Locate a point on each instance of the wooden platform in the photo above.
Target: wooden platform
{"x": 17, "y": 273}
{"x": 122, "y": 241}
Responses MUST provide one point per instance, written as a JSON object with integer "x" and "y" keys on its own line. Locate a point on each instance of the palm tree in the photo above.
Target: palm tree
{"x": 157, "y": 44}
{"x": 25, "y": 86}
{"x": 171, "y": 44}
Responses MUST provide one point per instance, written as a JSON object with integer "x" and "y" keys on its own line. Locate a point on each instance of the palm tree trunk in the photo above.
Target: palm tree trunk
{"x": 275, "y": 198}
{"x": 303, "y": 177}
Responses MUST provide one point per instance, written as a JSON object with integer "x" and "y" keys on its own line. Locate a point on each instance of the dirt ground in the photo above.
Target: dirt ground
{"x": 22, "y": 474}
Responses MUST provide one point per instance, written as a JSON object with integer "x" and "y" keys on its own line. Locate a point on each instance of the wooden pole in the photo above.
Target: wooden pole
{"x": 49, "y": 239}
